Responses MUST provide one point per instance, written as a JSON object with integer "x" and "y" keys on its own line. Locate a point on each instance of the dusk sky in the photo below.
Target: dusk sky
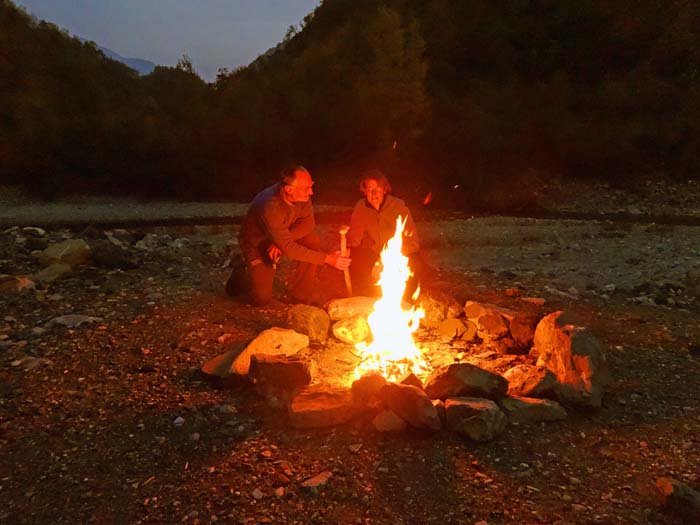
{"x": 213, "y": 33}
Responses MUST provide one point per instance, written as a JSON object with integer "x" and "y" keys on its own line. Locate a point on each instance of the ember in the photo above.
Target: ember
{"x": 392, "y": 351}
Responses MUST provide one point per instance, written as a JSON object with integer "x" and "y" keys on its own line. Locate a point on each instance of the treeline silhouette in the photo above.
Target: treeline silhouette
{"x": 476, "y": 101}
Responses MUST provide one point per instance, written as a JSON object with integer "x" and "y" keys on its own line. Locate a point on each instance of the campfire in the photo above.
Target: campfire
{"x": 392, "y": 351}
{"x": 472, "y": 369}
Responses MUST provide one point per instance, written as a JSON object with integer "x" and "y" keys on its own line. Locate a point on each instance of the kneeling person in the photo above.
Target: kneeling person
{"x": 280, "y": 222}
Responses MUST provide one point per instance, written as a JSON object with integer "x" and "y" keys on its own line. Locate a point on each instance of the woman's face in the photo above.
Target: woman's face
{"x": 374, "y": 193}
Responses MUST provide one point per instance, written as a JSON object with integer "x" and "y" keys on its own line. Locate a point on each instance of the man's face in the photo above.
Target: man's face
{"x": 374, "y": 193}
{"x": 301, "y": 189}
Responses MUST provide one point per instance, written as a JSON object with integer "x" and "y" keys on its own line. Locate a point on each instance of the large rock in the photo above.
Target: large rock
{"x": 278, "y": 377}
{"x": 411, "y": 404}
{"x": 388, "y": 421}
{"x": 309, "y": 320}
{"x": 73, "y": 252}
{"x": 531, "y": 410}
{"x": 221, "y": 365}
{"x": 475, "y": 310}
{"x": 367, "y": 387}
{"x": 350, "y": 307}
{"x": 274, "y": 341}
{"x": 575, "y": 357}
{"x": 280, "y": 371}
{"x": 679, "y": 498}
{"x": 451, "y": 328}
{"x": 491, "y": 326}
{"x": 475, "y": 418}
{"x": 522, "y": 329}
{"x": 321, "y": 406}
{"x": 530, "y": 381}
{"x": 464, "y": 379}
{"x": 352, "y": 330}
{"x": 437, "y": 306}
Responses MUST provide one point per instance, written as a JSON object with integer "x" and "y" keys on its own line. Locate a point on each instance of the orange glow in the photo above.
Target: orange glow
{"x": 428, "y": 198}
{"x": 392, "y": 351}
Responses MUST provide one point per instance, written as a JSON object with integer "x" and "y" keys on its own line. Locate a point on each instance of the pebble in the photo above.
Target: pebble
{"x": 258, "y": 494}
{"x": 179, "y": 421}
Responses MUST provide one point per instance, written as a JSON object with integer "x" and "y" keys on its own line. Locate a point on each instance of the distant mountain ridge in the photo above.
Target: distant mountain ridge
{"x": 143, "y": 67}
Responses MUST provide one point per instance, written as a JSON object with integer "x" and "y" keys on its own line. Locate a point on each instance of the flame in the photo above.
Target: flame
{"x": 392, "y": 351}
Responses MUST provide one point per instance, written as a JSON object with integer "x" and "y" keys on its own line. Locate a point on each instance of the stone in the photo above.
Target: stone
{"x": 120, "y": 237}
{"x": 33, "y": 231}
{"x": 72, "y": 320}
{"x": 439, "y": 405}
{"x": 575, "y": 357}
{"x": 504, "y": 346}
{"x": 273, "y": 341}
{"x": 309, "y": 320}
{"x": 475, "y": 418}
{"x": 52, "y": 273}
{"x": 530, "y": 381}
{"x": 451, "y": 328}
{"x": 537, "y": 301}
{"x": 366, "y": 387}
{"x": 220, "y": 366}
{"x": 12, "y": 284}
{"x": 106, "y": 254}
{"x": 350, "y": 307}
{"x": 352, "y": 330}
{"x": 73, "y": 252}
{"x": 411, "y": 404}
{"x": 388, "y": 421}
{"x": 460, "y": 379}
{"x": 524, "y": 410}
{"x": 280, "y": 371}
{"x": 319, "y": 480}
{"x": 469, "y": 334}
{"x": 438, "y": 306}
{"x": 491, "y": 326}
{"x": 321, "y": 406}
{"x": 679, "y": 498}
{"x": 475, "y": 310}
{"x": 412, "y": 379}
{"x": 522, "y": 330}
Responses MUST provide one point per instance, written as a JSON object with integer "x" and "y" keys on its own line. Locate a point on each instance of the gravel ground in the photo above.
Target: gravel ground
{"x": 109, "y": 422}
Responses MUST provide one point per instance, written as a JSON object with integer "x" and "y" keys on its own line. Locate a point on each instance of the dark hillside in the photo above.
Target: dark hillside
{"x": 479, "y": 102}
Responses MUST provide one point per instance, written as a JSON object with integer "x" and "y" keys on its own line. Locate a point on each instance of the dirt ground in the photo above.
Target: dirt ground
{"x": 110, "y": 422}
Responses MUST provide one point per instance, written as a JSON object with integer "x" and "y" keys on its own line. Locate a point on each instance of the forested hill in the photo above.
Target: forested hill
{"x": 489, "y": 96}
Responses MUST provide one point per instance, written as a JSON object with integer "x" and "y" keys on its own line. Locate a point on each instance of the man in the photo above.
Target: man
{"x": 280, "y": 221}
{"x": 372, "y": 224}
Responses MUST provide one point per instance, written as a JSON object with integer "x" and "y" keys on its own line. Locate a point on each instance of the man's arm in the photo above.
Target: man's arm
{"x": 304, "y": 225}
{"x": 273, "y": 219}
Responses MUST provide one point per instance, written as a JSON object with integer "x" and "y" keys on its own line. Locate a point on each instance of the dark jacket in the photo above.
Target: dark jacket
{"x": 270, "y": 219}
{"x": 372, "y": 228}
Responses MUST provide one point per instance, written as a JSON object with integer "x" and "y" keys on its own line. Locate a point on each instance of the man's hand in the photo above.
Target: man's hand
{"x": 274, "y": 253}
{"x": 338, "y": 261}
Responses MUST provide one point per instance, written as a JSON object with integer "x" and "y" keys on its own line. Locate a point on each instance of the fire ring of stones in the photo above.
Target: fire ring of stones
{"x": 488, "y": 366}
